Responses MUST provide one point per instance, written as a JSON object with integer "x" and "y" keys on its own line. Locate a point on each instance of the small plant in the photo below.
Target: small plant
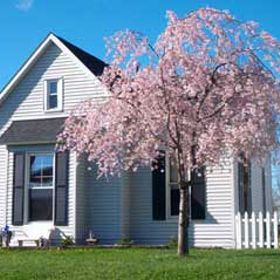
{"x": 173, "y": 242}
{"x": 67, "y": 241}
{"x": 125, "y": 242}
{"x": 44, "y": 242}
{"x": 6, "y": 235}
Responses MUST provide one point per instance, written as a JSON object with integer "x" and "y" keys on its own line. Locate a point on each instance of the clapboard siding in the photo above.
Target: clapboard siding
{"x": 68, "y": 230}
{"x": 104, "y": 205}
{"x": 3, "y": 185}
{"x": 82, "y": 201}
{"x": 27, "y": 99}
{"x": 215, "y": 230}
{"x": 125, "y": 205}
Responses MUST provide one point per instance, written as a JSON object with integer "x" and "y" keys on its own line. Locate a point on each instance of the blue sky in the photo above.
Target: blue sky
{"x": 24, "y": 23}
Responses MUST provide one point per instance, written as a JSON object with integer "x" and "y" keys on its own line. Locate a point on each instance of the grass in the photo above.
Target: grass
{"x": 138, "y": 264}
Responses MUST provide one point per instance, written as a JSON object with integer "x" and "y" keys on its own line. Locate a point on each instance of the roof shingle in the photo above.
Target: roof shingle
{"x": 33, "y": 131}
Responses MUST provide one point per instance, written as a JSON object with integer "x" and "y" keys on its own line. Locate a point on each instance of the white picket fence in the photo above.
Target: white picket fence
{"x": 257, "y": 230}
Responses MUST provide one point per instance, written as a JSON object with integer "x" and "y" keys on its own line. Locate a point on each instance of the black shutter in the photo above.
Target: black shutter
{"x": 249, "y": 196}
{"x": 18, "y": 189}
{"x": 198, "y": 194}
{"x": 61, "y": 188}
{"x": 175, "y": 201}
{"x": 158, "y": 181}
{"x": 241, "y": 187}
{"x": 244, "y": 187}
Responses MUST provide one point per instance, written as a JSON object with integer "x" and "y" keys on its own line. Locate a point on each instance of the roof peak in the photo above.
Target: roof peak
{"x": 93, "y": 63}
{"x": 89, "y": 63}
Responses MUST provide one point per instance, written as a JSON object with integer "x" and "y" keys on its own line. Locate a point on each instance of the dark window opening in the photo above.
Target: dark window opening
{"x": 244, "y": 184}
{"x": 40, "y": 204}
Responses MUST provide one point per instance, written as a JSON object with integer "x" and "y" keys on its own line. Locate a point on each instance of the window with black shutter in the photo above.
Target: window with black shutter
{"x": 36, "y": 193}
{"x": 166, "y": 193}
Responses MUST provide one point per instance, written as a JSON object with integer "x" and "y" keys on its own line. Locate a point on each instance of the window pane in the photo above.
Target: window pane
{"x": 47, "y": 180}
{"x": 35, "y": 170}
{"x": 52, "y": 101}
{"x": 40, "y": 204}
{"x": 47, "y": 167}
{"x": 53, "y": 87}
{"x": 41, "y": 170}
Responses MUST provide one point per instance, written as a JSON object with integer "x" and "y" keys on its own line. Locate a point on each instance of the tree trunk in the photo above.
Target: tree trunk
{"x": 183, "y": 222}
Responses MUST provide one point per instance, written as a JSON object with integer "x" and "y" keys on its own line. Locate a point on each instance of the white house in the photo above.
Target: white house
{"x": 43, "y": 189}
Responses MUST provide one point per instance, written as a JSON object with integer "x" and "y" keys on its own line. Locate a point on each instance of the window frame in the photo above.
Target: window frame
{"x": 28, "y": 188}
{"x": 170, "y": 217}
{"x": 168, "y": 185}
{"x": 168, "y": 191}
{"x": 59, "y": 95}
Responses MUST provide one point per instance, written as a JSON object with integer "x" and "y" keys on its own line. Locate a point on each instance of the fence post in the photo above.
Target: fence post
{"x": 246, "y": 229}
{"x": 268, "y": 235}
{"x": 238, "y": 231}
{"x": 261, "y": 243}
{"x": 275, "y": 225}
{"x": 253, "y": 219}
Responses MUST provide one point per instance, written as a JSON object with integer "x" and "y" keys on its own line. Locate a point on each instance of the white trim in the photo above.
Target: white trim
{"x": 234, "y": 199}
{"x": 51, "y": 38}
{"x": 28, "y": 154}
{"x": 44, "y": 117}
{"x": 59, "y": 94}
{"x": 168, "y": 191}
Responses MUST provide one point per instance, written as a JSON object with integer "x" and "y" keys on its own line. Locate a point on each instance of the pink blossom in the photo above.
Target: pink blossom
{"x": 207, "y": 86}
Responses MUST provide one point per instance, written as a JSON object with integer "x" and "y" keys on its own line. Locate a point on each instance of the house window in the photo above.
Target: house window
{"x": 166, "y": 193}
{"x": 40, "y": 187}
{"x": 197, "y": 197}
{"x": 53, "y": 95}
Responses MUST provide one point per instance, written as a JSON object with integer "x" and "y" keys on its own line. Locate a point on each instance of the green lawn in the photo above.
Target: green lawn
{"x": 138, "y": 264}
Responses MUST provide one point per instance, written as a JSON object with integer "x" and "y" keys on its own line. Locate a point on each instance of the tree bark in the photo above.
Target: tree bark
{"x": 183, "y": 222}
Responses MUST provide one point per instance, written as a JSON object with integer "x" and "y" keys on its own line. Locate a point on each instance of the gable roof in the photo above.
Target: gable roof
{"x": 92, "y": 65}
